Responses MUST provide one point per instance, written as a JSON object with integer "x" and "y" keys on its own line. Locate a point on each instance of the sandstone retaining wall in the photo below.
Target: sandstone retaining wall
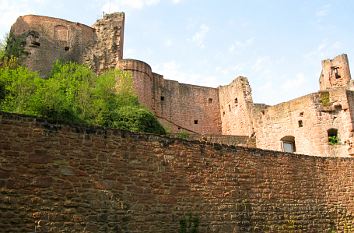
{"x": 57, "y": 178}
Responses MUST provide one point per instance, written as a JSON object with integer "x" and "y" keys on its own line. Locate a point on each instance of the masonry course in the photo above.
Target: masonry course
{"x": 61, "y": 178}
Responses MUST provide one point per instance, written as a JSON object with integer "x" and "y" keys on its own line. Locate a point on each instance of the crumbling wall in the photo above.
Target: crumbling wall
{"x": 235, "y": 108}
{"x": 335, "y": 73}
{"x": 56, "y": 178}
{"x": 308, "y": 120}
{"x": 109, "y": 44}
{"x": 350, "y": 125}
{"x": 47, "y": 39}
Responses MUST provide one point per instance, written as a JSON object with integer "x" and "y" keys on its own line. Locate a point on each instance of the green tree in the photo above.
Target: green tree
{"x": 74, "y": 94}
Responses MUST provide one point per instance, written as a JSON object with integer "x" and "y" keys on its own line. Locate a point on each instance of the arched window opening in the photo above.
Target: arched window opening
{"x": 288, "y": 144}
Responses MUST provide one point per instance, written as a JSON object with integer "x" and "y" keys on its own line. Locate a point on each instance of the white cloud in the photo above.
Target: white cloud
{"x": 241, "y": 44}
{"x": 292, "y": 84}
{"x": 119, "y": 5}
{"x": 168, "y": 43}
{"x": 174, "y": 71}
{"x": 323, "y": 11}
{"x": 325, "y": 49}
{"x": 176, "y": 1}
{"x": 262, "y": 64}
{"x": 199, "y": 37}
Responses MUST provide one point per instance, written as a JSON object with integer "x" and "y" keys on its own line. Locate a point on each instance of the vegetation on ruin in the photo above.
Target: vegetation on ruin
{"x": 333, "y": 140}
{"x": 2, "y": 50}
{"x": 324, "y": 98}
{"x": 183, "y": 134}
{"x": 13, "y": 46}
{"x": 74, "y": 94}
{"x": 189, "y": 224}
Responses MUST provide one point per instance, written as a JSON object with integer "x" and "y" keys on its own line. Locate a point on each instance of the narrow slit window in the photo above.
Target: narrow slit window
{"x": 162, "y": 98}
{"x": 210, "y": 100}
{"x": 196, "y": 122}
{"x": 301, "y": 124}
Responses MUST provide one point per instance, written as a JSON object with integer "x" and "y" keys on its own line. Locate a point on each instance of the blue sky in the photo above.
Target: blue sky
{"x": 277, "y": 44}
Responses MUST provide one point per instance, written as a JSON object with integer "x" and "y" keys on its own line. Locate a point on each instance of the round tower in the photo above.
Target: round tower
{"x": 143, "y": 79}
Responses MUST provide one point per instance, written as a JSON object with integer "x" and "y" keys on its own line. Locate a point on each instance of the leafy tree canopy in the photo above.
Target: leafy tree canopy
{"x": 74, "y": 94}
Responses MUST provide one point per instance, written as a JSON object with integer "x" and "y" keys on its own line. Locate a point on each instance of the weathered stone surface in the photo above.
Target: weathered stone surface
{"x": 148, "y": 183}
{"x": 48, "y": 39}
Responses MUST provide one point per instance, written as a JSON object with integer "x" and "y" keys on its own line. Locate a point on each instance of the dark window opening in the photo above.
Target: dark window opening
{"x": 229, "y": 108}
{"x": 35, "y": 44}
{"x": 223, "y": 113}
{"x": 288, "y": 144}
{"x": 162, "y": 98}
{"x": 332, "y": 132}
{"x": 301, "y": 124}
{"x": 336, "y": 74}
{"x": 301, "y": 114}
{"x": 196, "y": 122}
{"x": 66, "y": 48}
{"x": 210, "y": 100}
{"x": 236, "y": 101}
{"x": 338, "y": 107}
{"x": 333, "y": 138}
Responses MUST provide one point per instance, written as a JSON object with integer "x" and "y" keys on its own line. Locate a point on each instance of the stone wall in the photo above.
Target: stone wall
{"x": 142, "y": 78}
{"x": 47, "y": 39}
{"x": 109, "y": 43}
{"x": 56, "y": 178}
{"x": 230, "y": 140}
{"x": 192, "y": 107}
{"x": 308, "y": 119}
{"x": 235, "y": 107}
{"x": 335, "y": 72}
{"x": 180, "y": 107}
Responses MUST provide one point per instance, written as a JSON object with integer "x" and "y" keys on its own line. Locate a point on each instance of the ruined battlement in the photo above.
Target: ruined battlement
{"x": 35, "y": 21}
{"x": 335, "y": 73}
{"x": 303, "y": 125}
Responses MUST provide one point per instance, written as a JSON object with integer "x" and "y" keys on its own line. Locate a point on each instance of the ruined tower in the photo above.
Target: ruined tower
{"x": 47, "y": 39}
{"x": 109, "y": 43}
{"x": 335, "y": 73}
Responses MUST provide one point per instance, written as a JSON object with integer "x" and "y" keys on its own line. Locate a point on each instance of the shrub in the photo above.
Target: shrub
{"x": 333, "y": 140}
{"x": 183, "y": 134}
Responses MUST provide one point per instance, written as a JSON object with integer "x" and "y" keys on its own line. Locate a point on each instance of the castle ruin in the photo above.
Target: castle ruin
{"x": 304, "y": 125}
